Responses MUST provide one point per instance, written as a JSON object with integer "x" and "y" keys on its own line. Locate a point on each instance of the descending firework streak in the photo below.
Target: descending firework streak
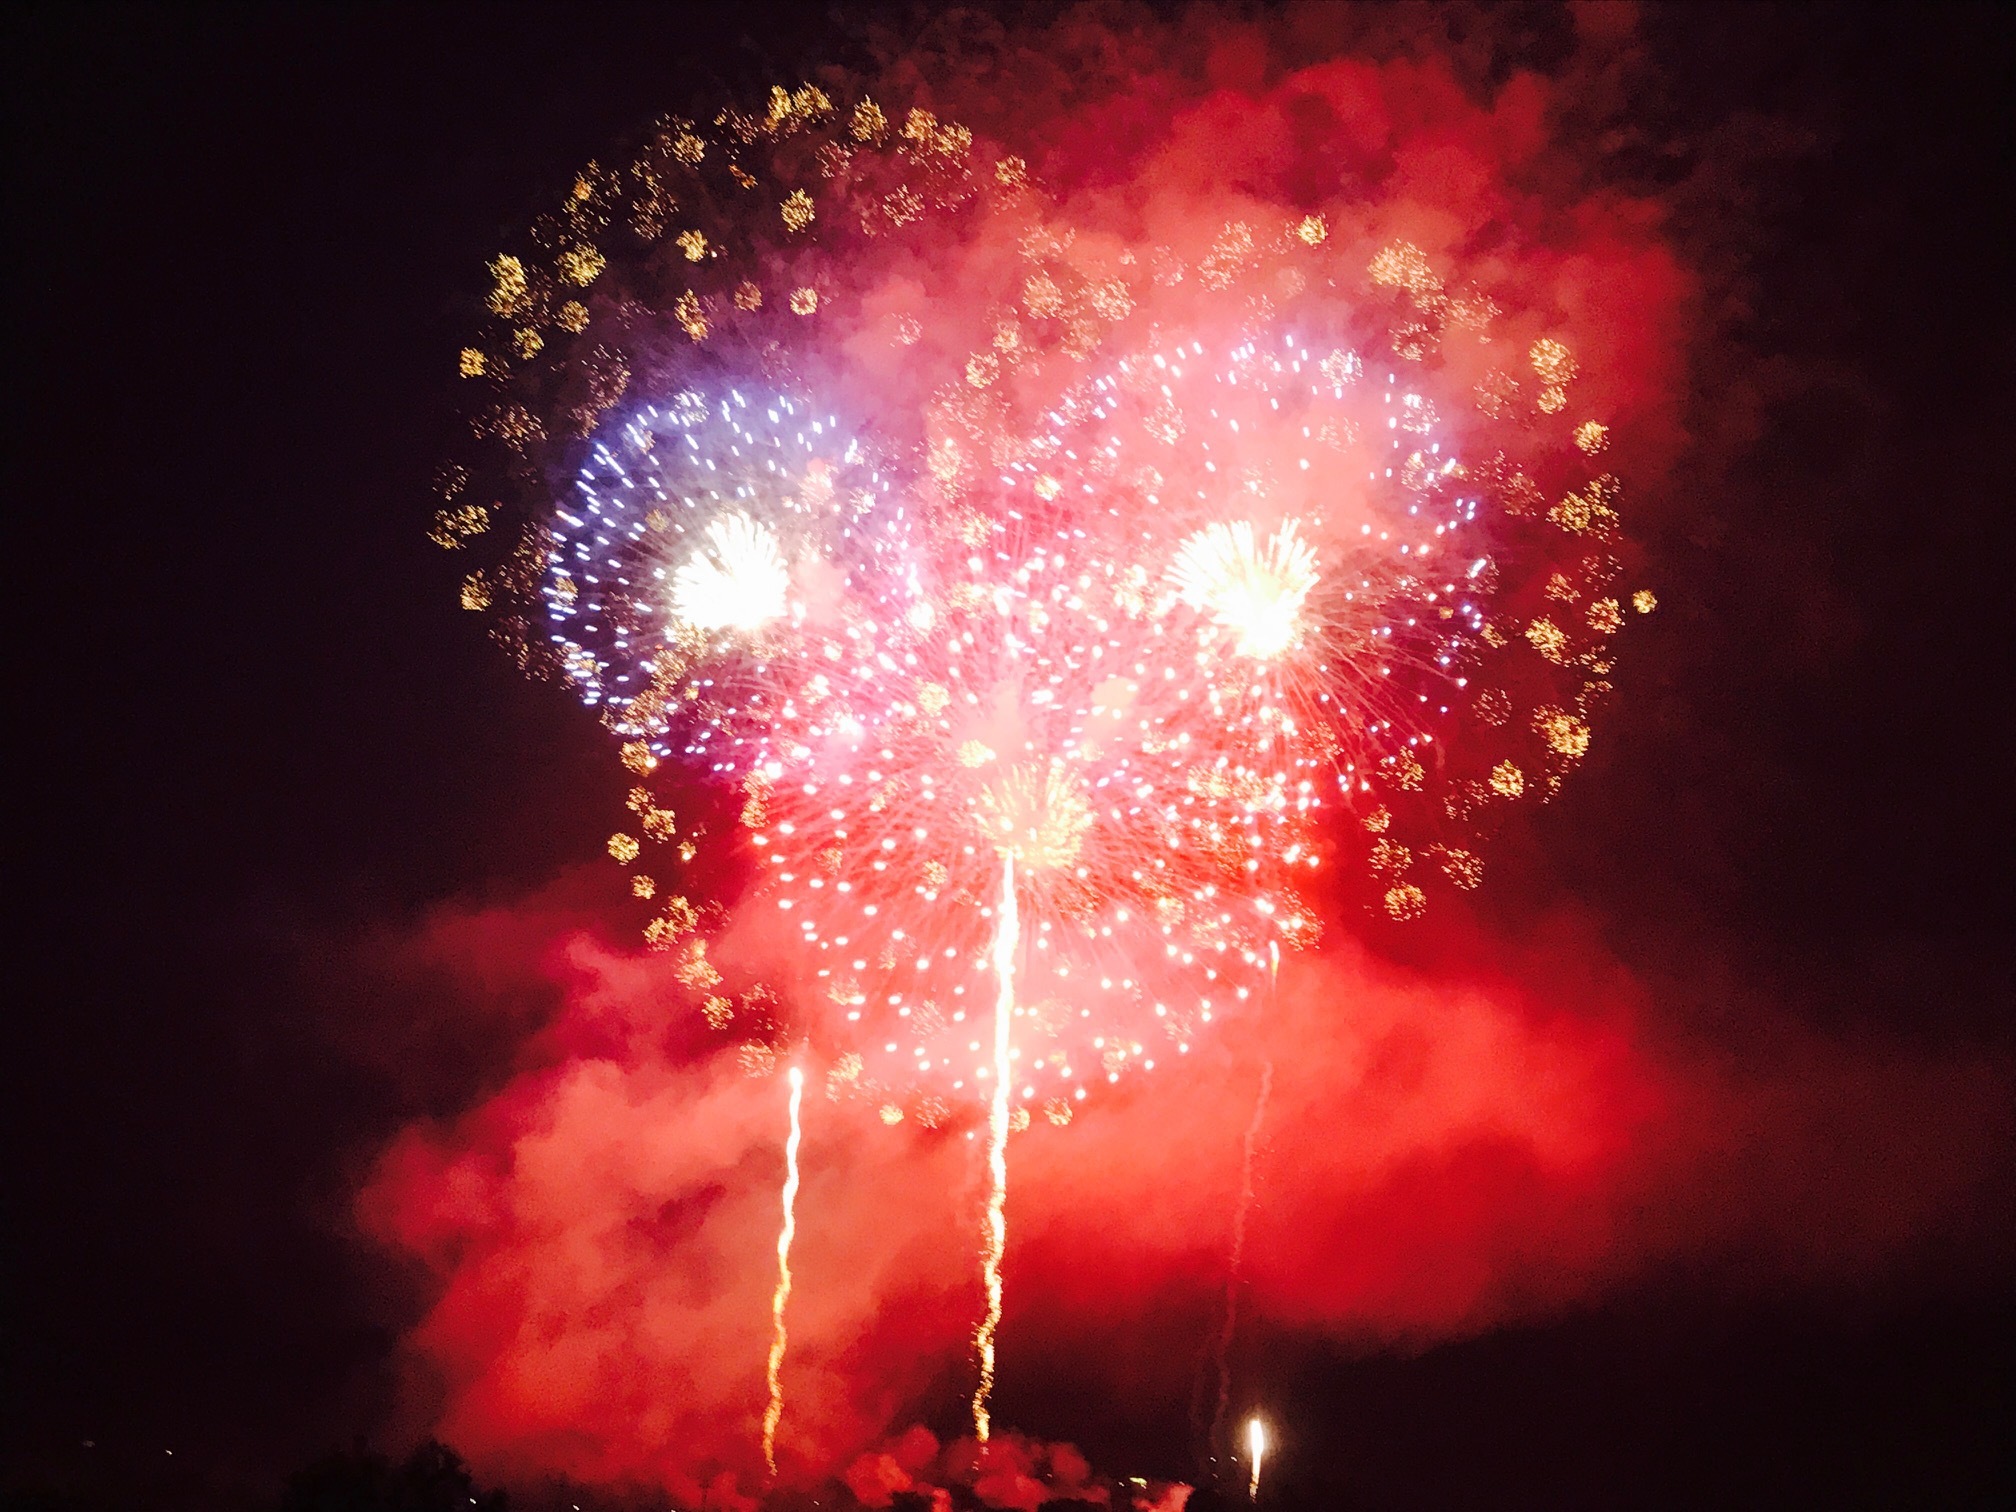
{"x": 1041, "y": 686}
{"x": 780, "y": 1299}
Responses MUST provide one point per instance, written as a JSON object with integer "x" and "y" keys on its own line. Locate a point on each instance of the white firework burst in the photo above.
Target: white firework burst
{"x": 1256, "y": 591}
{"x": 737, "y": 580}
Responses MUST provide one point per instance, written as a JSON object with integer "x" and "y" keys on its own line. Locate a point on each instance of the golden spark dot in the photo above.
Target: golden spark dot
{"x": 902, "y": 205}
{"x": 748, "y": 296}
{"x": 509, "y": 286}
{"x": 692, "y": 243}
{"x": 452, "y": 527}
{"x": 1379, "y": 820}
{"x": 686, "y": 310}
{"x": 890, "y": 1114}
{"x": 936, "y": 874}
{"x": 476, "y": 591}
{"x": 1463, "y": 868}
{"x": 1042, "y": 296}
{"x": 688, "y": 147}
{"x": 623, "y": 847}
{"x": 1644, "y": 601}
{"x": 1552, "y": 362}
{"x": 1560, "y": 589}
{"x": 743, "y": 177}
{"x": 1227, "y": 257}
{"x": 982, "y": 369}
{"x": 642, "y": 886}
{"x": 1564, "y": 733}
{"x": 1313, "y": 230}
{"x": 718, "y": 1011}
{"x": 528, "y": 341}
{"x": 797, "y": 210}
{"x": 1341, "y": 367}
{"x": 757, "y": 1060}
{"x": 660, "y": 824}
{"x": 572, "y": 316}
{"x": 1391, "y": 855}
{"x": 1605, "y": 616}
{"x": 1011, "y": 172}
{"x": 581, "y": 265}
{"x": 1110, "y": 298}
{"x": 1406, "y": 902}
{"x": 933, "y": 697}
{"x": 1402, "y": 265}
{"x": 472, "y": 363}
{"x": 924, "y": 130}
{"x": 868, "y": 124}
{"x": 1047, "y": 488}
{"x": 1507, "y": 781}
{"x": 1473, "y": 310}
{"x": 804, "y": 300}
{"x": 1549, "y": 640}
{"x": 637, "y": 757}
{"x": 1553, "y": 399}
{"x": 677, "y": 917}
{"x": 637, "y": 800}
{"x": 1592, "y": 437}
{"x": 974, "y": 753}
{"x": 1018, "y": 1120}
{"x": 695, "y": 970}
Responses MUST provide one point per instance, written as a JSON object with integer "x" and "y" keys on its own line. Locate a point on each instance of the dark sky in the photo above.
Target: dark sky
{"x": 259, "y": 729}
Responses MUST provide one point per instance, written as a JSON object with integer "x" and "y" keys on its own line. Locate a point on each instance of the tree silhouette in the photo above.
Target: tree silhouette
{"x": 432, "y": 1479}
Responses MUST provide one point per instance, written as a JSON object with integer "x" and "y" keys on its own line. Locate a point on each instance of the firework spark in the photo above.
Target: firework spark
{"x": 1256, "y": 1451}
{"x": 994, "y": 1239}
{"x": 773, "y": 1412}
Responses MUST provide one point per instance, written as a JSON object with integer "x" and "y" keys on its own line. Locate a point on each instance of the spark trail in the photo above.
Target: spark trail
{"x": 1007, "y": 939}
{"x": 773, "y": 1414}
{"x": 1235, "y": 1266}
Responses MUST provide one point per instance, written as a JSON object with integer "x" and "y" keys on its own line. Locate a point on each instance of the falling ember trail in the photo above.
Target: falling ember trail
{"x": 1007, "y": 936}
{"x": 1256, "y": 1446}
{"x": 1235, "y": 1268}
{"x": 779, "y": 1337}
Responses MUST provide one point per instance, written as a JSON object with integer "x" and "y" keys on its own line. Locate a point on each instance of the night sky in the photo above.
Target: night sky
{"x": 264, "y": 740}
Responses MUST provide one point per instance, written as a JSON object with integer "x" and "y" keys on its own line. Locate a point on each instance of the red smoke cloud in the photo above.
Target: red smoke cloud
{"x": 1442, "y": 1151}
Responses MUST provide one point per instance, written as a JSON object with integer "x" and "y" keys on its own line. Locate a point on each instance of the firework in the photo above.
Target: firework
{"x": 1256, "y": 1451}
{"x": 773, "y": 1412}
{"x": 1044, "y": 695}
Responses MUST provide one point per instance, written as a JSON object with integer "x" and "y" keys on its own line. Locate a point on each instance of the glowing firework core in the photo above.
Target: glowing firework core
{"x": 737, "y": 580}
{"x": 1256, "y": 1450}
{"x": 1255, "y": 592}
